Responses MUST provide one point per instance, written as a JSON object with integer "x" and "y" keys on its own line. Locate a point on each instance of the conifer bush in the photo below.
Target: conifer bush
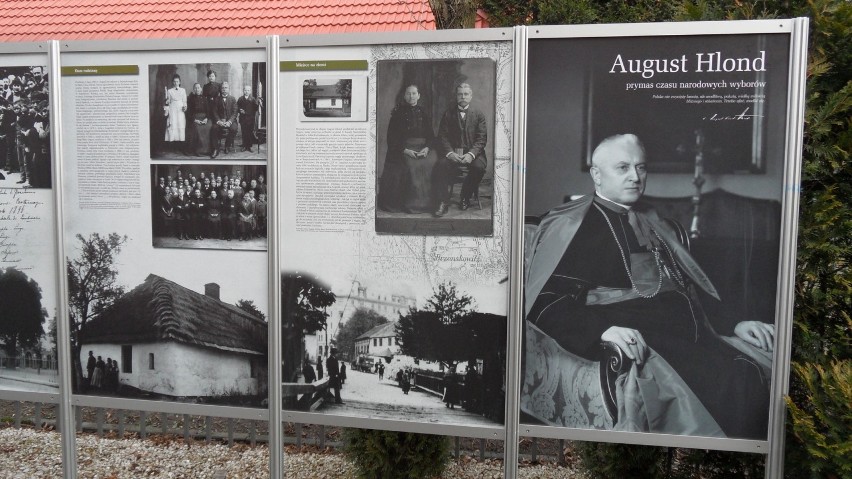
{"x": 396, "y": 455}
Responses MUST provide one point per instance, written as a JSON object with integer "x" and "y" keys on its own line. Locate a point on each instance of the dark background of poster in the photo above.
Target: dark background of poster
{"x": 569, "y": 83}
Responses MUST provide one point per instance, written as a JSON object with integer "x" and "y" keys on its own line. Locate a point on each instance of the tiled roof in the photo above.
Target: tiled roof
{"x": 38, "y": 20}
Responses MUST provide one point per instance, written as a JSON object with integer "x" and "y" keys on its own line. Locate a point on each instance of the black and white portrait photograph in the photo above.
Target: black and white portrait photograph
{"x": 392, "y": 350}
{"x": 24, "y": 128}
{"x": 435, "y": 146}
{"x": 164, "y": 331}
{"x": 212, "y": 206}
{"x": 334, "y": 98}
{"x": 211, "y": 110}
{"x": 654, "y": 179}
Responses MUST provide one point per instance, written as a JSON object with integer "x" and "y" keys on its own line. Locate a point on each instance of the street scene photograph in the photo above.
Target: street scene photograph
{"x": 376, "y": 353}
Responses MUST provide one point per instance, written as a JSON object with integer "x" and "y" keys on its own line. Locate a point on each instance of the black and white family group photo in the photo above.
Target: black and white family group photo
{"x": 24, "y": 128}
{"x": 209, "y": 206}
{"x": 435, "y": 146}
{"x": 213, "y": 110}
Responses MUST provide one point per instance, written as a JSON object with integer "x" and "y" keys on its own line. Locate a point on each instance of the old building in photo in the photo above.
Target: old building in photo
{"x": 359, "y": 296}
{"x": 170, "y": 340}
{"x": 380, "y": 341}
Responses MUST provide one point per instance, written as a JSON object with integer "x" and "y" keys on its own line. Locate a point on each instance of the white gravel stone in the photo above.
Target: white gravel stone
{"x": 31, "y": 454}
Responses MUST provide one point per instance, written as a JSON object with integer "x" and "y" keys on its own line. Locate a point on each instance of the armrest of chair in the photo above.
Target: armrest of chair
{"x": 613, "y": 364}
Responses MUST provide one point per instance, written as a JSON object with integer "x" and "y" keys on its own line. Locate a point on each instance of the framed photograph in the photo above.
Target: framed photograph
{"x": 652, "y": 265}
{"x": 338, "y": 98}
{"x": 207, "y": 110}
{"x": 435, "y": 146}
{"x": 211, "y": 206}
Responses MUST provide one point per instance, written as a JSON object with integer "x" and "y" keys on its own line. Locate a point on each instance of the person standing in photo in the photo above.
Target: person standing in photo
{"x": 333, "y": 369}
{"x": 247, "y": 106}
{"x": 91, "y": 363}
{"x": 176, "y": 114}
{"x": 308, "y": 372}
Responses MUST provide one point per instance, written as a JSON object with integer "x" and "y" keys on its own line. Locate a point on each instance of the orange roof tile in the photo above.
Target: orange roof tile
{"x": 38, "y": 20}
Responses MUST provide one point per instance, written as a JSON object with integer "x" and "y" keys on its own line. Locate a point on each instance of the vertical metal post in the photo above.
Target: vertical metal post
{"x": 78, "y": 417}
{"x": 253, "y": 433}
{"x": 482, "y": 449}
{"x": 187, "y": 419}
{"x": 17, "y": 414}
{"x": 208, "y": 429}
{"x": 143, "y": 424}
{"x": 299, "y": 435}
{"x": 99, "y": 420}
{"x": 121, "y": 423}
{"x": 65, "y": 416}
{"x": 534, "y": 449}
{"x": 514, "y": 324}
{"x": 273, "y": 118}
{"x": 37, "y": 416}
{"x": 322, "y": 436}
{"x": 787, "y": 272}
{"x": 164, "y": 423}
{"x": 456, "y": 447}
{"x": 230, "y": 432}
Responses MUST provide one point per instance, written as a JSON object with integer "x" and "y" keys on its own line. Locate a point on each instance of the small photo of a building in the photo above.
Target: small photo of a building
{"x": 176, "y": 343}
{"x": 327, "y": 97}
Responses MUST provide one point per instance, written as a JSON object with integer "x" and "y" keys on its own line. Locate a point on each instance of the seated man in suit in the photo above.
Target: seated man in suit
{"x": 225, "y": 120}
{"x": 462, "y": 136}
{"x": 607, "y": 268}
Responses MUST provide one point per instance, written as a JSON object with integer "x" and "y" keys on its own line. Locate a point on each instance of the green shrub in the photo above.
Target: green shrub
{"x": 396, "y": 455}
{"x": 825, "y": 428}
{"x": 605, "y": 461}
{"x": 693, "y": 463}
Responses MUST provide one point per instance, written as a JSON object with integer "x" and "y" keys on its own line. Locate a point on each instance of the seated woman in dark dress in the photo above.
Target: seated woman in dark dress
{"x": 404, "y": 185}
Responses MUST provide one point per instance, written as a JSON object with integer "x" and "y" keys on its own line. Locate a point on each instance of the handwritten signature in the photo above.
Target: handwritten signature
{"x": 740, "y": 117}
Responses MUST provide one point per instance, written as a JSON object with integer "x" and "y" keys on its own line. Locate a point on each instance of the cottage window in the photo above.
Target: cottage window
{"x": 151, "y": 361}
{"x": 380, "y": 341}
{"x": 375, "y": 342}
{"x": 333, "y": 101}
{"x": 127, "y": 359}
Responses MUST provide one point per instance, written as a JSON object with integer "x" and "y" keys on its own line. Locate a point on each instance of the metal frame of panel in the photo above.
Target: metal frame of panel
{"x": 797, "y": 29}
{"x": 392, "y": 38}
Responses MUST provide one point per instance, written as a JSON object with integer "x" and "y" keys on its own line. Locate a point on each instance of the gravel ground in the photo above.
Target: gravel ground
{"x": 30, "y": 454}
